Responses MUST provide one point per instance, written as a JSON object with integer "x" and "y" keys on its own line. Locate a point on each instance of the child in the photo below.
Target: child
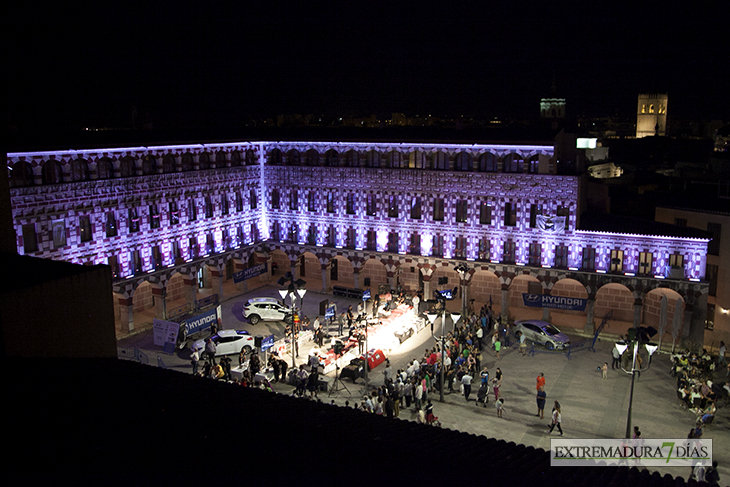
{"x": 500, "y": 407}
{"x": 604, "y": 370}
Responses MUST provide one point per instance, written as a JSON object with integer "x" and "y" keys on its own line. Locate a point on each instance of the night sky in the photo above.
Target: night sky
{"x": 213, "y": 63}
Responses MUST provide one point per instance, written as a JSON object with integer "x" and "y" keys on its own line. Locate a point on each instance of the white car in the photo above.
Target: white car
{"x": 268, "y": 309}
{"x": 228, "y": 342}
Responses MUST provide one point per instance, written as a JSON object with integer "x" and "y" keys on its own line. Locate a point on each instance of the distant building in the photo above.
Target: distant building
{"x": 651, "y": 115}
{"x": 552, "y": 108}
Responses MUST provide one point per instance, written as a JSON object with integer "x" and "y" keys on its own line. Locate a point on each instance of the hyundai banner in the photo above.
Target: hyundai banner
{"x": 556, "y": 302}
{"x": 245, "y": 274}
{"x": 202, "y": 322}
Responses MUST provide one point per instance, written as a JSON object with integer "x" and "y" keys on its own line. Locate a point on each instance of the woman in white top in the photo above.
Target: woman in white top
{"x": 557, "y": 419}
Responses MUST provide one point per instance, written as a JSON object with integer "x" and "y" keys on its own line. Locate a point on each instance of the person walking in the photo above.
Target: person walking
{"x": 616, "y": 355}
{"x": 466, "y": 382}
{"x": 496, "y": 383}
{"x": 556, "y": 419}
{"x": 497, "y": 347}
{"x": 541, "y": 397}
{"x": 500, "y": 407}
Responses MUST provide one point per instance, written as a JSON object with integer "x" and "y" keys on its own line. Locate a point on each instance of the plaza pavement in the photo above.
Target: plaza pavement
{"x": 591, "y": 407}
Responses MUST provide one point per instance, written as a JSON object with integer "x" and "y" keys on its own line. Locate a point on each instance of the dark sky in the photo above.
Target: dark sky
{"x": 191, "y": 63}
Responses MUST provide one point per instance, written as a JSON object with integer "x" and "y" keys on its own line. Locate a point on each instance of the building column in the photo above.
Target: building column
{"x": 545, "y": 309}
{"x": 216, "y": 276}
{"x": 505, "y": 302}
{"x": 325, "y": 276}
{"x": 637, "y": 313}
{"x": 158, "y": 295}
{"x": 126, "y": 309}
{"x": 391, "y": 280}
{"x": 590, "y": 325}
{"x": 356, "y": 279}
{"x": 191, "y": 289}
{"x": 427, "y": 293}
{"x": 240, "y": 286}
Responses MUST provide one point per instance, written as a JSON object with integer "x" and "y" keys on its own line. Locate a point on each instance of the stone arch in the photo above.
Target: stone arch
{"x": 617, "y": 298}
{"x": 352, "y": 158}
{"x": 275, "y": 158}
{"x": 236, "y": 158}
{"x": 51, "y": 172}
{"x": 251, "y": 159}
{"x": 373, "y": 158}
{"x": 463, "y": 161}
{"x": 440, "y": 161}
{"x": 483, "y": 287}
{"x": 394, "y": 159}
{"x": 512, "y": 163}
{"x": 417, "y": 160}
{"x": 345, "y": 272}
{"x": 221, "y": 159}
{"x": 22, "y": 174}
{"x": 374, "y": 270}
{"x": 143, "y": 297}
{"x": 651, "y": 312}
{"x": 519, "y": 285}
{"x": 280, "y": 261}
{"x": 331, "y": 158}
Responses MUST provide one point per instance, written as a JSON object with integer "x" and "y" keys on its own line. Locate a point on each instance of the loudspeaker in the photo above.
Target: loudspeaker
{"x": 257, "y": 341}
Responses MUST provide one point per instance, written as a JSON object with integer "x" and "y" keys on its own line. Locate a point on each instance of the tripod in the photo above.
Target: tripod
{"x": 338, "y": 382}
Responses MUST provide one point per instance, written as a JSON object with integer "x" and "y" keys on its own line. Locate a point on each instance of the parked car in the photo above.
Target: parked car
{"x": 543, "y": 333}
{"x": 228, "y": 342}
{"x": 267, "y": 309}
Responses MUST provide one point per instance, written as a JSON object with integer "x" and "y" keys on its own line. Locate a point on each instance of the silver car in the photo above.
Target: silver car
{"x": 228, "y": 342}
{"x": 543, "y": 333}
{"x": 268, "y": 309}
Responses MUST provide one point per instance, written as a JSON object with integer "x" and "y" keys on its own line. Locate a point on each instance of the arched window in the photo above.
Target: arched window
{"x": 149, "y": 165}
{"x": 51, "y": 172}
{"x": 79, "y": 170}
{"x": 251, "y": 158}
{"x": 332, "y": 158}
{"x": 311, "y": 158}
{"x": 512, "y": 163}
{"x": 220, "y": 159}
{"x": 462, "y": 161}
{"x": 187, "y": 162}
{"x": 394, "y": 159}
{"x": 417, "y": 160}
{"x": 275, "y": 158}
{"x": 168, "y": 163}
{"x": 372, "y": 159}
{"x": 488, "y": 162}
{"x": 293, "y": 158}
{"x": 127, "y": 167}
{"x": 352, "y": 159}
{"x": 236, "y": 158}
{"x": 204, "y": 160}
{"x": 22, "y": 174}
{"x": 440, "y": 161}
{"x": 533, "y": 164}
{"x": 104, "y": 168}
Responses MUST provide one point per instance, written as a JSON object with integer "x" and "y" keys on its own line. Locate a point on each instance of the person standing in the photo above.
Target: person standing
{"x": 604, "y": 370}
{"x": 523, "y": 344}
{"x": 557, "y": 419}
{"x": 497, "y": 347}
{"x": 540, "y": 381}
{"x": 479, "y": 335}
{"x": 500, "y": 407}
{"x": 466, "y": 382}
{"x": 210, "y": 350}
{"x": 195, "y": 360}
{"x": 541, "y": 397}
{"x": 721, "y": 354}
{"x": 496, "y": 383}
{"x": 616, "y": 355}
{"x": 341, "y": 324}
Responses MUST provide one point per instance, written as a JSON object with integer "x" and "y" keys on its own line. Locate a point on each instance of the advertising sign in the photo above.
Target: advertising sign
{"x": 555, "y": 302}
{"x": 267, "y": 343}
{"x": 329, "y": 313}
{"x": 366, "y": 295}
{"x": 245, "y": 274}
{"x": 165, "y": 334}
{"x": 201, "y": 322}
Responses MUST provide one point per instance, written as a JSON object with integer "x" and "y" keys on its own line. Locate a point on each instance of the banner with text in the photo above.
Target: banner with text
{"x": 556, "y": 302}
{"x": 640, "y": 452}
{"x": 245, "y": 274}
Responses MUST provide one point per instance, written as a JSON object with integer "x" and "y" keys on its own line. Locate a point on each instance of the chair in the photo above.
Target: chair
{"x": 708, "y": 421}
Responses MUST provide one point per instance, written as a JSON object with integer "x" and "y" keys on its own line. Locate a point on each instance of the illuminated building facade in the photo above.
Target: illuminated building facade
{"x": 651, "y": 115}
{"x": 176, "y": 222}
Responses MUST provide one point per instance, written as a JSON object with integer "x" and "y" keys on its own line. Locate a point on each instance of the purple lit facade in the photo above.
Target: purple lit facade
{"x": 181, "y": 219}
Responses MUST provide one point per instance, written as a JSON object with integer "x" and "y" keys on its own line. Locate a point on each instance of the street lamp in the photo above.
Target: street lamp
{"x": 295, "y": 288}
{"x": 622, "y": 347}
{"x": 442, "y": 298}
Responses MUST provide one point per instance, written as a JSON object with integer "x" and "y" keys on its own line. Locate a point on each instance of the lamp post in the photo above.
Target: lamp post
{"x": 432, "y": 318}
{"x": 622, "y": 347}
{"x": 295, "y": 288}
